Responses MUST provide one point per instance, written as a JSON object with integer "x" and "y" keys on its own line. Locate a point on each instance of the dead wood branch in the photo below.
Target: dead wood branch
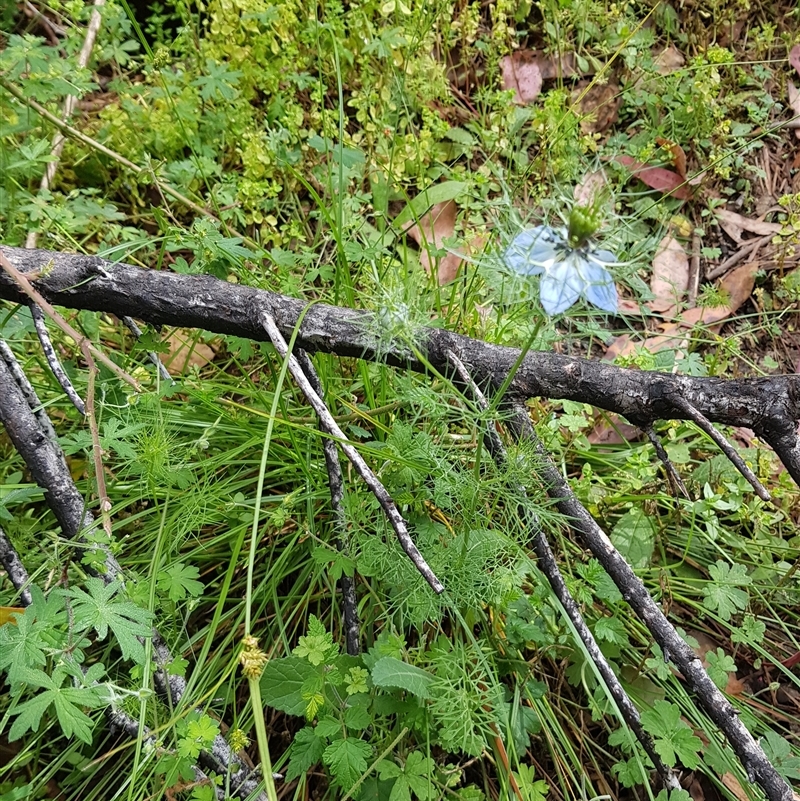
{"x": 549, "y": 566}
{"x": 389, "y": 507}
{"x": 759, "y": 769}
{"x": 769, "y": 406}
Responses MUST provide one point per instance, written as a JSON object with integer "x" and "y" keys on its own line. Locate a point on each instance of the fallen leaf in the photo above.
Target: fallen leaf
{"x": 552, "y": 67}
{"x": 733, "y": 784}
{"x": 676, "y": 153}
{"x": 520, "y": 72}
{"x": 669, "y": 60}
{"x": 794, "y": 58}
{"x": 734, "y": 224}
{"x": 670, "y": 278}
{"x": 695, "y": 790}
{"x": 611, "y": 429}
{"x": 8, "y": 614}
{"x": 591, "y": 188}
{"x": 186, "y": 350}
{"x": 627, "y": 306}
{"x": 598, "y": 105}
{"x": 738, "y": 285}
{"x": 794, "y": 105}
{"x": 431, "y": 231}
{"x": 666, "y": 181}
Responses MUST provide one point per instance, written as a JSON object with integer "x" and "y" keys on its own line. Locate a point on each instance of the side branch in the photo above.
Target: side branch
{"x": 767, "y": 405}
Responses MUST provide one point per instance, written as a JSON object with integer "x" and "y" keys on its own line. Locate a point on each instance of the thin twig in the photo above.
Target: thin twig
{"x": 336, "y": 485}
{"x": 378, "y": 490}
{"x": 694, "y": 271}
{"x": 759, "y": 769}
{"x": 748, "y": 249}
{"x": 549, "y": 566}
{"x": 672, "y": 474}
{"x": 52, "y": 359}
{"x": 131, "y": 325}
{"x": 49, "y": 469}
{"x": 23, "y": 282}
{"x": 13, "y": 566}
{"x": 703, "y": 423}
{"x": 53, "y": 29}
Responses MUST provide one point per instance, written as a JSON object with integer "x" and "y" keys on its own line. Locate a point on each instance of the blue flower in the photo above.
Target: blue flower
{"x": 568, "y": 272}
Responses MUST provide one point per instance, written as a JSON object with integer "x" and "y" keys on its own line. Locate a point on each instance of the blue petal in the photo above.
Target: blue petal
{"x": 599, "y": 286}
{"x": 560, "y": 287}
{"x": 605, "y": 256}
{"x": 534, "y": 250}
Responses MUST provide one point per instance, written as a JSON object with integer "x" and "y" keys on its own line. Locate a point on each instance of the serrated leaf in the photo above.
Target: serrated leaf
{"x": 100, "y": 610}
{"x": 391, "y": 672}
{"x": 347, "y": 760}
{"x": 282, "y": 682}
{"x": 305, "y": 752}
{"x": 634, "y": 538}
{"x": 67, "y": 701}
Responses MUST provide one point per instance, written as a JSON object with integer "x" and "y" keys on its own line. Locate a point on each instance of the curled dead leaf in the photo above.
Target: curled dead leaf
{"x": 670, "y": 278}
{"x": 666, "y": 181}
{"x": 520, "y": 72}
{"x": 597, "y": 104}
{"x": 430, "y": 233}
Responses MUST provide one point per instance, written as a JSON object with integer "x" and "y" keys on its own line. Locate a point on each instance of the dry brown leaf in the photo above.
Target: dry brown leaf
{"x": 734, "y": 224}
{"x": 591, "y": 188}
{"x": 794, "y": 105}
{"x": 597, "y": 104}
{"x": 433, "y": 228}
{"x": 185, "y": 350}
{"x": 553, "y": 67}
{"x": 669, "y": 60}
{"x": 676, "y": 153}
{"x": 520, "y": 72}
{"x": 628, "y": 306}
{"x": 611, "y": 429}
{"x": 695, "y": 790}
{"x": 738, "y": 284}
{"x": 670, "y": 278}
{"x": 733, "y": 784}
{"x": 794, "y": 57}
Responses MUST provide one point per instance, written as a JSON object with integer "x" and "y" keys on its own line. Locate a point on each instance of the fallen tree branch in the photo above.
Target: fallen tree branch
{"x": 45, "y": 460}
{"x": 389, "y": 507}
{"x": 769, "y": 406}
{"x": 352, "y": 633}
{"x": 759, "y": 769}
{"x": 548, "y": 565}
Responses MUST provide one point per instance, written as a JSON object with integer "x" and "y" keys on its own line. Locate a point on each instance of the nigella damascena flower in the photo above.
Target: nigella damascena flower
{"x": 570, "y": 267}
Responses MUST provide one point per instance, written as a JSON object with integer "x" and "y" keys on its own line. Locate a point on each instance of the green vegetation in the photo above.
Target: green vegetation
{"x": 311, "y": 141}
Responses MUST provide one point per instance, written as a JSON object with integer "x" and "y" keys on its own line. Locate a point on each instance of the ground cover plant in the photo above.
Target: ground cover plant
{"x": 613, "y": 182}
